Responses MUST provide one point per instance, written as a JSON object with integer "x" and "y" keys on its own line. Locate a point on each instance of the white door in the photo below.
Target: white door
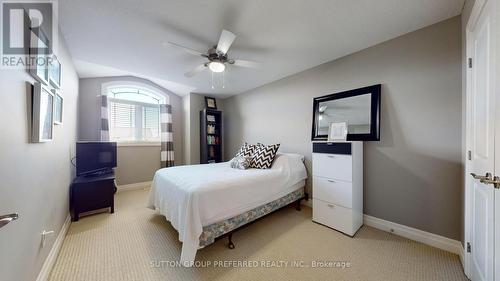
{"x": 481, "y": 144}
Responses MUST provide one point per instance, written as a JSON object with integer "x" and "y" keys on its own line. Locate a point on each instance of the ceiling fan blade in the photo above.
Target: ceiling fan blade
{"x": 195, "y": 70}
{"x": 186, "y": 49}
{"x": 246, "y": 63}
{"x": 225, "y": 41}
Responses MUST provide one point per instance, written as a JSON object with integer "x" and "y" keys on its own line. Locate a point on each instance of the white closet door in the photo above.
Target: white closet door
{"x": 482, "y": 130}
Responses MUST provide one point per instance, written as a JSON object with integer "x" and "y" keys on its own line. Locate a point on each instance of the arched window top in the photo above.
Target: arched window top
{"x": 134, "y": 111}
{"x": 134, "y": 92}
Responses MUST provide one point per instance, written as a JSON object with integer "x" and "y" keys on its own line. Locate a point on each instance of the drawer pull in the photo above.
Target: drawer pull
{"x": 330, "y": 205}
{"x": 331, "y": 156}
{"x": 332, "y": 181}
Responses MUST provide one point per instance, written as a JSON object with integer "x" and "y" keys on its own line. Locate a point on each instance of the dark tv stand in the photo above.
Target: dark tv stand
{"x": 99, "y": 173}
{"x": 89, "y": 193}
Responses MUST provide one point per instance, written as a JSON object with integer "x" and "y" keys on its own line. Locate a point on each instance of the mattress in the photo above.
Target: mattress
{"x": 194, "y": 196}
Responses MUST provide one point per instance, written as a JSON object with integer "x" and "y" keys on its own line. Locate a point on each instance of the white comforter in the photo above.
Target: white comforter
{"x": 191, "y": 197}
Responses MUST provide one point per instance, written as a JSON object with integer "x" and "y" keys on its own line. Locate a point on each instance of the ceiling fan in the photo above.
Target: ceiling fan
{"x": 217, "y": 56}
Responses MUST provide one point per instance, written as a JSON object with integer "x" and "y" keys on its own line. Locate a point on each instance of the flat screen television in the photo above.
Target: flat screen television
{"x": 95, "y": 157}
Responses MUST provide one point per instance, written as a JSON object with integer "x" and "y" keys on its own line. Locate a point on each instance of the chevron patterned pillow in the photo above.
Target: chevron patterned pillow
{"x": 263, "y": 156}
{"x": 246, "y": 150}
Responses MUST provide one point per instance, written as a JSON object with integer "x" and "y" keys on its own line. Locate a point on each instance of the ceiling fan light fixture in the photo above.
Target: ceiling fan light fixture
{"x": 216, "y": 66}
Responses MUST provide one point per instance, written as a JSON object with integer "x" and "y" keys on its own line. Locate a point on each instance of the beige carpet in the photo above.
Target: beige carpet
{"x": 137, "y": 244}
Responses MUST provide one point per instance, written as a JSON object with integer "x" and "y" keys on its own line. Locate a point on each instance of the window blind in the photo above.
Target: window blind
{"x": 131, "y": 121}
{"x": 123, "y": 121}
{"x": 151, "y": 122}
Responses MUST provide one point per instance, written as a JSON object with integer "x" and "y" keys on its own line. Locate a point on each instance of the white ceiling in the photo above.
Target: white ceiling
{"x": 128, "y": 37}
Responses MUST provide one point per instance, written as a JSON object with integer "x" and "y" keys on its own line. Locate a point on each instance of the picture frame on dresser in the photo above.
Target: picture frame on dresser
{"x": 337, "y": 132}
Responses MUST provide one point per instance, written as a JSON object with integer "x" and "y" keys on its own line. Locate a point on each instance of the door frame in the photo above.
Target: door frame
{"x": 496, "y": 261}
{"x": 471, "y": 24}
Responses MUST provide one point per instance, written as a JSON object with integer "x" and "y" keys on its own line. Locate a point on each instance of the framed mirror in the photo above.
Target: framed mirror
{"x": 359, "y": 108}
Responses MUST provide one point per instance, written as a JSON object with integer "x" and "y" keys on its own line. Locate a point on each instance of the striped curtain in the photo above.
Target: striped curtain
{"x": 104, "y": 118}
{"x": 167, "y": 141}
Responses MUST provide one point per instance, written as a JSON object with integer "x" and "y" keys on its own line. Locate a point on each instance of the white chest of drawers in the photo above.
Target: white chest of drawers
{"x": 337, "y": 193}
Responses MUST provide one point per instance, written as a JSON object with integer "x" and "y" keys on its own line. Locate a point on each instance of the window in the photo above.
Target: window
{"x": 134, "y": 114}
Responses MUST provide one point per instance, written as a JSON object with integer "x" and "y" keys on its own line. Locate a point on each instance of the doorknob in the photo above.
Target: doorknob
{"x": 486, "y": 177}
{"x": 4, "y": 220}
{"x": 495, "y": 182}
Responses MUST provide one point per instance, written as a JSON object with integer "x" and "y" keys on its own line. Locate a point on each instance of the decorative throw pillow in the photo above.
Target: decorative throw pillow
{"x": 264, "y": 155}
{"x": 246, "y": 149}
{"x": 241, "y": 162}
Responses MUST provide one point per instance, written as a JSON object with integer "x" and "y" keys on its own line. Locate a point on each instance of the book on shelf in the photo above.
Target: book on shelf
{"x": 211, "y": 152}
{"x": 210, "y": 129}
{"x": 213, "y": 140}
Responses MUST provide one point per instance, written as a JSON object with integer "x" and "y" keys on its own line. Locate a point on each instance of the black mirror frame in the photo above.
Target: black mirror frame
{"x": 374, "y": 134}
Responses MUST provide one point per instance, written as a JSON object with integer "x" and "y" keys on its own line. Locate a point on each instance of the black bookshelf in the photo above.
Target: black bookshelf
{"x": 210, "y": 136}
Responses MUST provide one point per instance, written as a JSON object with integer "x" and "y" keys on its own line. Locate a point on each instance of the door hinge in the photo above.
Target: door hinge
{"x": 469, "y": 155}
{"x": 470, "y": 62}
{"x": 468, "y": 247}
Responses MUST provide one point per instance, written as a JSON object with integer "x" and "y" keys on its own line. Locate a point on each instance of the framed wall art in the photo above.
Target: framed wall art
{"x": 42, "y": 119}
{"x": 55, "y": 72}
{"x": 210, "y": 103}
{"x": 58, "y": 107}
{"x": 39, "y": 54}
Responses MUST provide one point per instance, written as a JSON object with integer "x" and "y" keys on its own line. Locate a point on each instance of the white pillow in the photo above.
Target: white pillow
{"x": 292, "y": 155}
{"x": 294, "y": 163}
{"x": 285, "y": 160}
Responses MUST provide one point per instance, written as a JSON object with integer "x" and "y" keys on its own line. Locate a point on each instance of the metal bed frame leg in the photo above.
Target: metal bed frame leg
{"x": 230, "y": 245}
{"x": 298, "y": 205}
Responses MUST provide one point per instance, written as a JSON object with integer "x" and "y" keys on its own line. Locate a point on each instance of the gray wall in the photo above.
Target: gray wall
{"x": 194, "y": 103}
{"x": 197, "y": 103}
{"x": 137, "y": 163}
{"x": 35, "y": 177}
{"x": 413, "y": 175}
{"x": 131, "y": 169}
{"x": 186, "y": 128}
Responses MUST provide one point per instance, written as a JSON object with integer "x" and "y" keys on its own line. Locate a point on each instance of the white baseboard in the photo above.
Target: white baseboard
{"x": 54, "y": 252}
{"x": 307, "y": 203}
{"x": 461, "y": 255}
{"x": 134, "y": 186}
{"x": 411, "y": 233}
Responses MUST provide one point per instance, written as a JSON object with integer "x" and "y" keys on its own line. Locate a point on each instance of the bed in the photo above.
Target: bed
{"x": 206, "y": 202}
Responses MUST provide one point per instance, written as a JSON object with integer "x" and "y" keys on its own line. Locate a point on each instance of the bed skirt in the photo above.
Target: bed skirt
{"x": 212, "y": 231}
